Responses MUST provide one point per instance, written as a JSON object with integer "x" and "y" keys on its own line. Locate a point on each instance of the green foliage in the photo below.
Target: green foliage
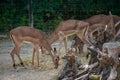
{"x": 48, "y": 13}
{"x": 39, "y": 22}
{"x": 23, "y": 20}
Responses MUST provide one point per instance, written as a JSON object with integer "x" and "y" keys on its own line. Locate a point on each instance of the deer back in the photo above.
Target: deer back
{"x": 25, "y": 33}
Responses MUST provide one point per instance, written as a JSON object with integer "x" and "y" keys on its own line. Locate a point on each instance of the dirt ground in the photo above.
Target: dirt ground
{"x": 44, "y": 72}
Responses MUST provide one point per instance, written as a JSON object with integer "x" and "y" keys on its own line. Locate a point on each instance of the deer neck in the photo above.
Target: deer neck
{"x": 46, "y": 45}
{"x": 53, "y": 38}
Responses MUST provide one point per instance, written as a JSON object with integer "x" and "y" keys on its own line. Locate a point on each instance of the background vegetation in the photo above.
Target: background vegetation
{"x": 48, "y": 13}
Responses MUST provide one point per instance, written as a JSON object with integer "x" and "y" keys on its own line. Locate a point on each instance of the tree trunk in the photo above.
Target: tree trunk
{"x": 31, "y": 22}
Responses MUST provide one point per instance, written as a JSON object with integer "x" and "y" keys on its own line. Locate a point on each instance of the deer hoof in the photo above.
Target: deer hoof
{"x": 14, "y": 66}
{"x": 22, "y": 64}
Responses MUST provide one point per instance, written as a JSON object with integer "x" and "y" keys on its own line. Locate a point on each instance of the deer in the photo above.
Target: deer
{"x": 27, "y": 34}
{"x": 65, "y": 29}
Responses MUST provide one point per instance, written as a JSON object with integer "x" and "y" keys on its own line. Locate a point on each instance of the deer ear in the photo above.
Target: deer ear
{"x": 54, "y": 50}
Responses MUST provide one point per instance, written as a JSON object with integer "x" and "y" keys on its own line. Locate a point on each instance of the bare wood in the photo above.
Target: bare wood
{"x": 36, "y": 37}
{"x": 109, "y": 55}
{"x": 77, "y": 44}
{"x": 113, "y": 74}
{"x": 83, "y": 77}
{"x": 117, "y": 34}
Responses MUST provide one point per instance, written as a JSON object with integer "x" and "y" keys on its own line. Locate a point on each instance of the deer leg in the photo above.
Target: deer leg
{"x": 37, "y": 53}
{"x": 12, "y": 56}
{"x": 79, "y": 50}
{"x": 42, "y": 50}
{"x": 61, "y": 38}
{"x": 59, "y": 47}
{"x": 60, "y": 44}
{"x": 65, "y": 43}
{"x": 17, "y": 53}
{"x": 33, "y": 56}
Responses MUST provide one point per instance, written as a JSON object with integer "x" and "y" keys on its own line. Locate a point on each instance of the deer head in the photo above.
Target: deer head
{"x": 55, "y": 58}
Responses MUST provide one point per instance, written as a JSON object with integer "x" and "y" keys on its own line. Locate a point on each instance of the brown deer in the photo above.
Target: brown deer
{"x": 27, "y": 34}
{"x": 67, "y": 28}
{"x": 97, "y": 23}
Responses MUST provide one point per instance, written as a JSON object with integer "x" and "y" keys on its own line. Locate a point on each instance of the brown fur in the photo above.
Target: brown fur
{"x": 65, "y": 29}
{"x": 35, "y": 36}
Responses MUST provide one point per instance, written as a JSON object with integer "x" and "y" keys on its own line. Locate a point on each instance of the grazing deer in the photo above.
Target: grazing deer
{"x": 67, "y": 28}
{"x": 36, "y": 37}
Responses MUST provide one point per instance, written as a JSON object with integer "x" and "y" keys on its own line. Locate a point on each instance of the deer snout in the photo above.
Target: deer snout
{"x": 56, "y": 62}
